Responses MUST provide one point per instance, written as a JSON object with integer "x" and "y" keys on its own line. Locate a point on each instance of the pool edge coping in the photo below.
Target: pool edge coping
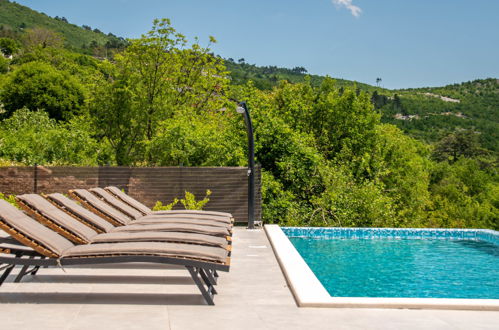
{"x": 308, "y": 291}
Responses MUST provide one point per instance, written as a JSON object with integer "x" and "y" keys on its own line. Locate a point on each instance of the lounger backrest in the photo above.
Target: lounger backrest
{"x": 129, "y": 200}
{"x": 15, "y": 222}
{"x": 57, "y": 216}
{"x": 81, "y": 212}
{"x": 116, "y": 203}
{"x": 101, "y": 206}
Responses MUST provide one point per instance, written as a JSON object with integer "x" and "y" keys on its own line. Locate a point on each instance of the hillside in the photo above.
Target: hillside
{"x": 15, "y": 19}
{"x": 431, "y": 113}
{"x": 427, "y": 114}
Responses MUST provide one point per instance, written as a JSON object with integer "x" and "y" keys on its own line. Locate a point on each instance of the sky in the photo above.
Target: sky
{"x": 406, "y": 43}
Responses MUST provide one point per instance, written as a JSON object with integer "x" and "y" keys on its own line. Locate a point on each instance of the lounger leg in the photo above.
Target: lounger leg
{"x": 37, "y": 268}
{"x": 6, "y": 273}
{"x": 207, "y": 276}
{"x": 207, "y": 293}
{"x": 22, "y": 272}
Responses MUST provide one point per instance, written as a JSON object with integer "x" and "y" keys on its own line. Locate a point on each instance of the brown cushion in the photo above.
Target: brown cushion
{"x": 129, "y": 200}
{"x": 58, "y": 216}
{"x": 200, "y": 212}
{"x": 102, "y": 206}
{"x": 154, "y": 236}
{"x": 208, "y": 253}
{"x": 116, "y": 203}
{"x": 160, "y": 219}
{"x": 201, "y": 217}
{"x": 33, "y": 229}
{"x": 179, "y": 227}
{"x": 81, "y": 212}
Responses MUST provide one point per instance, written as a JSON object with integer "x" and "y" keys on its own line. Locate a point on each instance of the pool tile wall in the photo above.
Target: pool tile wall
{"x": 487, "y": 235}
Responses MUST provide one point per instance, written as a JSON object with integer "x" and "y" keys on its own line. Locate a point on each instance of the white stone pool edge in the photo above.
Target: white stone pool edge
{"x": 309, "y": 292}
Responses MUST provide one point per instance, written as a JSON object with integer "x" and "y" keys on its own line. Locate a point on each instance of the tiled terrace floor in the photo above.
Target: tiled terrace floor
{"x": 252, "y": 296}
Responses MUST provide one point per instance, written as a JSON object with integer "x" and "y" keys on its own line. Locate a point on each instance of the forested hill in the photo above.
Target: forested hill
{"x": 16, "y": 19}
{"x": 427, "y": 114}
{"x": 431, "y": 113}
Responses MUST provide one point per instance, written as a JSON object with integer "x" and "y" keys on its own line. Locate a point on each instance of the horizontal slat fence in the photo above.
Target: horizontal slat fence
{"x": 229, "y": 185}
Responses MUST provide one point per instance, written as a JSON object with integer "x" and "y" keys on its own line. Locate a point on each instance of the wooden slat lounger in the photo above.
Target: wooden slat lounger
{"x": 147, "y": 211}
{"x": 80, "y": 232}
{"x": 51, "y": 249}
{"x": 115, "y": 216}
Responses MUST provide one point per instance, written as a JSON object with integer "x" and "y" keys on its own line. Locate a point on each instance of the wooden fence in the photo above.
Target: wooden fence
{"x": 229, "y": 185}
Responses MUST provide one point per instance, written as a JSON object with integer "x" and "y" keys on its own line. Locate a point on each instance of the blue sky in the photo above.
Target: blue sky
{"x": 407, "y": 43}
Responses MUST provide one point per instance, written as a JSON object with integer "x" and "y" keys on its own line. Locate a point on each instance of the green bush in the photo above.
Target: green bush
{"x": 189, "y": 202}
{"x": 39, "y": 86}
{"x": 31, "y": 137}
{"x": 10, "y": 198}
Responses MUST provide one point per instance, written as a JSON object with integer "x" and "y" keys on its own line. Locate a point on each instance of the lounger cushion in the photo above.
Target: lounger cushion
{"x": 199, "y": 217}
{"x": 81, "y": 212}
{"x": 151, "y": 236}
{"x": 102, "y": 206}
{"x": 33, "y": 229}
{"x": 116, "y": 203}
{"x": 58, "y": 216}
{"x": 178, "y": 227}
{"x": 153, "y": 219}
{"x": 200, "y": 212}
{"x": 127, "y": 199}
{"x": 175, "y": 250}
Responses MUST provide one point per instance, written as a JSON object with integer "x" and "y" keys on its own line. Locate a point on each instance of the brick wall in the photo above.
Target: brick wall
{"x": 229, "y": 185}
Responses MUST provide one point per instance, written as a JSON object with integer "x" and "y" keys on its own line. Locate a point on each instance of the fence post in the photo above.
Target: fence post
{"x": 35, "y": 176}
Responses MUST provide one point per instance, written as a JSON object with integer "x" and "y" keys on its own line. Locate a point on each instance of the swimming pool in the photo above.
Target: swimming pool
{"x": 377, "y": 267}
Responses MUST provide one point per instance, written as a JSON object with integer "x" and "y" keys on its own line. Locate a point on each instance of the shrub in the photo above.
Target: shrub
{"x": 39, "y": 86}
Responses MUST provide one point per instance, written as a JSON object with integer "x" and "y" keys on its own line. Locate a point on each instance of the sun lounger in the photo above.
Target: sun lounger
{"x": 147, "y": 211}
{"x": 115, "y": 216}
{"x": 83, "y": 232}
{"x": 48, "y": 248}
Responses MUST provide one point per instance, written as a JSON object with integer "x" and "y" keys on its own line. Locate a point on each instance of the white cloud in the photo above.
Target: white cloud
{"x": 348, "y": 5}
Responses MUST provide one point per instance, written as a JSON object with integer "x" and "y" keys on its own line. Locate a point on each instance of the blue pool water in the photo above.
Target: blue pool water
{"x": 412, "y": 264}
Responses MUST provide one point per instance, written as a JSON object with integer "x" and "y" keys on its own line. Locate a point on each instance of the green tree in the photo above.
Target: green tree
{"x": 462, "y": 143}
{"x": 164, "y": 75}
{"x": 342, "y": 122}
{"x": 115, "y": 118}
{"x": 155, "y": 79}
{"x": 41, "y": 37}
{"x": 464, "y": 195}
{"x": 210, "y": 139}
{"x": 8, "y": 46}
{"x": 37, "y": 85}
{"x": 402, "y": 165}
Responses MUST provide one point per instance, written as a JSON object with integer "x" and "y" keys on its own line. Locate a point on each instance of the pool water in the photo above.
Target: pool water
{"x": 410, "y": 268}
